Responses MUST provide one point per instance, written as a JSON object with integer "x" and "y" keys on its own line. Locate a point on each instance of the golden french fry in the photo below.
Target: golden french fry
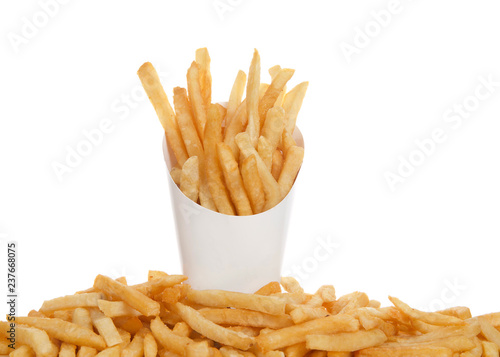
{"x": 297, "y": 350}
{"x": 461, "y": 312}
{"x": 128, "y": 294}
{"x": 489, "y": 331}
{"x": 346, "y": 341}
{"x": 339, "y": 354}
{"x": 64, "y": 331}
{"x": 287, "y": 142}
{"x": 158, "y": 97}
{"x": 35, "y": 338}
{"x": 253, "y": 184}
{"x": 233, "y": 180}
{"x": 150, "y": 346}
{"x": 70, "y": 302}
{"x": 297, "y": 334}
{"x": 235, "y": 96}
{"x": 129, "y": 324}
{"x": 167, "y": 338}
{"x": 213, "y": 136}
{"x": 198, "y": 106}
{"x": 273, "y": 126}
{"x": 233, "y": 317}
{"x": 272, "y": 93}
{"x": 270, "y": 288}
{"x": 292, "y": 103}
{"x": 291, "y": 167}
{"x": 198, "y": 349}
{"x": 273, "y": 71}
{"x": 135, "y": 348}
{"x": 271, "y": 187}
{"x": 190, "y": 178}
{"x": 262, "y": 90}
{"x": 116, "y": 308}
{"x": 110, "y": 352}
{"x": 209, "y": 329}
{"x": 265, "y": 150}
{"x": 182, "y": 329}
{"x": 203, "y": 61}
{"x": 175, "y": 173}
{"x": 63, "y": 315}
{"x": 490, "y": 349}
{"x": 187, "y": 122}
{"x": 106, "y": 328}
{"x": 432, "y": 318}
{"x": 405, "y": 351}
{"x": 155, "y": 274}
{"x": 157, "y": 285}
{"x": 27, "y": 351}
{"x": 277, "y": 164}
{"x": 220, "y": 298}
{"x": 305, "y": 313}
{"x": 236, "y": 126}
{"x": 67, "y": 350}
{"x": 81, "y": 317}
{"x": 253, "y": 84}
{"x": 291, "y": 285}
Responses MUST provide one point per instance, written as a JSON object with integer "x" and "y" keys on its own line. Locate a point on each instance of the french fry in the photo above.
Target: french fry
{"x": 461, "y": 312}
{"x": 135, "y": 348}
{"x": 272, "y": 93}
{"x": 106, "y": 328}
{"x": 490, "y": 349}
{"x": 235, "y": 96}
{"x": 110, "y": 352}
{"x": 182, "y": 329}
{"x": 291, "y": 167}
{"x": 292, "y": 104}
{"x": 203, "y": 61}
{"x": 339, "y": 354}
{"x": 221, "y": 298}
{"x": 273, "y": 71}
{"x": 277, "y": 164}
{"x": 116, "y": 308}
{"x": 346, "y": 341}
{"x": 270, "y": 288}
{"x": 70, "y": 302}
{"x": 297, "y": 350}
{"x": 67, "y": 350}
{"x": 168, "y": 339}
{"x": 214, "y": 332}
{"x": 253, "y": 84}
{"x": 273, "y": 126}
{"x": 265, "y": 150}
{"x": 253, "y": 184}
{"x": 213, "y": 136}
{"x": 198, "y": 105}
{"x": 175, "y": 173}
{"x": 297, "y": 334}
{"x": 432, "y": 318}
{"x": 237, "y": 124}
{"x": 159, "y": 100}
{"x": 291, "y": 285}
{"x": 150, "y": 345}
{"x": 304, "y": 313}
{"x": 190, "y": 178}
{"x": 26, "y": 351}
{"x": 129, "y": 324}
{"x": 63, "y": 314}
{"x": 405, "y": 351}
{"x": 233, "y": 317}
{"x": 198, "y": 349}
{"x": 64, "y": 331}
{"x": 489, "y": 331}
{"x": 33, "y": 337}
{"x": 233, "y": 180}
{"x": 129, "y": 295}
{"x": 271, "y": 187}
{"x": 287, "y": 142}
{"x": 157, "y": 285}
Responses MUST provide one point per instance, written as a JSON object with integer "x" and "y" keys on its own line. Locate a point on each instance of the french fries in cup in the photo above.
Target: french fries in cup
{"x": 232, "y": 171}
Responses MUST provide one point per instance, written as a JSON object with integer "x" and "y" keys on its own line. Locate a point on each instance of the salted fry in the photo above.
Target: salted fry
{"x": 287, "y": 142}
{"x": 253, "y": 184}
{"x": 157, "y": 285}
{"x": 106, "y": 328}
{"x": 220, "y": 298}
{"x": 405, "y": 351}
{"x": 167, "y": 338}
{"x": 277, "y": 164}
{"x": 432, "y": 318}
{"x": 233, "y": 317}
{"x": 186, "y": 121}
{"x": 35, "y": 338}
{"x": 150, "y": 346}
{"x": 272, "y": 93}
{"x": 273, "y": 71}
{"x": 203, "y": 61}
{"x": 175, "y": 173}
{"x": 70, "y": 302}
{"x": 64, "y": 331}
{"x": 292, "y": 104}
{"x": 291, "y": 285}
{"x": 131, "y": 296}
{"x": 490, "y": 349}
{"x": 25, "y": 351}
{"x": 110, "y": 352}
{"x": 271, "y": 187}
{"x": 213, "y": 136}
{"x": 297, "y": 350}
{"x": 346, "y": 341}
{"x": 253, "y": 127}
{"x": 67, "y": 350}
{"x": 198, "y": 105}
{"x": 213, "y": 331}
{"x": 304, "y": 313}
{"x": 237, "y": 125}
{"x": 116, "y": 308}
{"x": 273, "y": 126}
{"x": 265, "y": 150}
{"x": 190, "y": 178}
{"x": 159, "y": 100}
{"x": 291, "y": 167}
{"x": 233, "y": 180}
{"x": 270, "y": 288}
{"x": 297, "y": 334}
{"x": 235, "y": 96}
{"x": 135, "y": 348}
{"x": 489, "y": 331}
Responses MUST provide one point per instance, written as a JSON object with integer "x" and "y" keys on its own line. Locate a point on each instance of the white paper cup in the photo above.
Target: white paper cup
{"x": 237, "y": 253}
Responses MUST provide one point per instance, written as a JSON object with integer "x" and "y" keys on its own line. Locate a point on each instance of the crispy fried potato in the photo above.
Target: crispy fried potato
{"x": 190, "y": 178}
{"x": 106, "y": 328}
{"x": 198, "y": 105}
{"x": 168, "y": 339}
{"x": 27, "y": 351}
{"x": 242, "y": 317}
{"x": 270, "y": 288}
{"x": 150, "y": 346}
{"x": 253, "y": 184}
{"x": 272, "y": 93}
{"x": 70, "y": 302}
{"x": 253, "y": 85}
{"x": 291, "y": 167}
{"x": 346, "y": 341}
{"x": 203, "y": 61}
{"x": 116, "y": 308}
{"x": 292, "y": 104}
{"x": 235, "y": 96}
{"x": 277, "y": 164}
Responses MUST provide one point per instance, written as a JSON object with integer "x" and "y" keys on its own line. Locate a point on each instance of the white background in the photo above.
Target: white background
{"x": 112, "y": 214}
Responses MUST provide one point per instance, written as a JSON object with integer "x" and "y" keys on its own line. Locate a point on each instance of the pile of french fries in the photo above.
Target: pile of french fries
{"x": 165, "y": 317}
{"x": 239, "y": 159}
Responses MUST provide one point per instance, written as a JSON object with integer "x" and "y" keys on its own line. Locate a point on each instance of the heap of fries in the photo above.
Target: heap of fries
{"x": 165, "y": 317}
{"x": 240, "y": 159}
